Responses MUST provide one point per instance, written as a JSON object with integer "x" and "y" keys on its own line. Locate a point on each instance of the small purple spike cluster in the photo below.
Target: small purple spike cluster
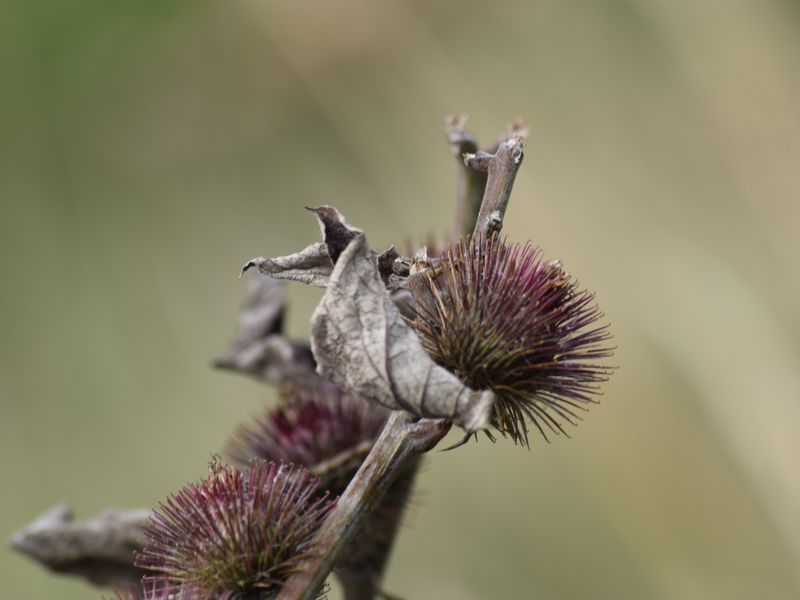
{"x": 315, "y": 422}
{"x": 496, "y": 314}
{"x": 236, "y": 534}
{"x": 502, "y": 318}
{"x": 319, "y": 426}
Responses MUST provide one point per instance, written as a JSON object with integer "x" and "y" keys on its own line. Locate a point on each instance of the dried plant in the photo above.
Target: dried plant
{"x": 485, "y": 335}
{"x": 328, "y": 431}
{"x": 236, "y": 533}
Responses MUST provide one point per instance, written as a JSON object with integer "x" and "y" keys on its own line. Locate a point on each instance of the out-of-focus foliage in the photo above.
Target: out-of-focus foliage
{"x": 147, "y": 148}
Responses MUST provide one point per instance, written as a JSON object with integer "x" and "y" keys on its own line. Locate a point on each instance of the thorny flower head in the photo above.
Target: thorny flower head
{"x": 502, "y": 318}
{"x": 317, "y": 426}
{"x": 329, "y": 431}
{"x": 236, "y": 534}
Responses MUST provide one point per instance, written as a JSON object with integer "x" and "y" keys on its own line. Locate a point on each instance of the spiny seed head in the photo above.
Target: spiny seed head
{"x": 236, "y": 534}
{"x": 329, "y": 431}
{"x": 502, "y": 318}
{"x": 316, "y": 423}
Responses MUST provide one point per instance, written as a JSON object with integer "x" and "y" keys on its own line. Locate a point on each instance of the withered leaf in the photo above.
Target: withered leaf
{"x": 358, "y": 337}
{"x": 361, "y": 342}
{"x": 336, "y": 231}
{"x": 312, "y": 265}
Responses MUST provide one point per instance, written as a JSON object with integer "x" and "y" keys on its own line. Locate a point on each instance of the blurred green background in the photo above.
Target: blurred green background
{"x": 148, "y": 148}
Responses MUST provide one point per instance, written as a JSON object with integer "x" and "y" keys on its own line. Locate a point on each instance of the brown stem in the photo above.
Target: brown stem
{"x": 401, "y": 439}
{"x": 471, "y": 182}
{"x": 362, "y": 565}
{"x": 501, "y": 167}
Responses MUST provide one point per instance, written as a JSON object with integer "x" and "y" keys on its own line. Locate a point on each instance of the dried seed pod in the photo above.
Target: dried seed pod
{"x": 235, "y": 534}
{"x": 329, "y": 431}
{"x": 503, "y": 319}
{"x": 317, "y": 426}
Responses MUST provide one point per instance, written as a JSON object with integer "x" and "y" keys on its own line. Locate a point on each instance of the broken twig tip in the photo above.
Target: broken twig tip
{"x": 519, "y": 150}
{"x": 479, "y": 160}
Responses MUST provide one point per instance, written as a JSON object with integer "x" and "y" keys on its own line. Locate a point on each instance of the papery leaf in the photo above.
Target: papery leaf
{"x": 336, "y": 231}
{"x": 361, "y": 342}
{"x": 312, "y": 265}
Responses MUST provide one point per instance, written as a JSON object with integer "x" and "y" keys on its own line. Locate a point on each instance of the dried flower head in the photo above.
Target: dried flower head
{"x": 502, "y": 318}
{"x": 330, "y": 432}
{"x": 317, "y": 426}
{"x": 235, "y": 534}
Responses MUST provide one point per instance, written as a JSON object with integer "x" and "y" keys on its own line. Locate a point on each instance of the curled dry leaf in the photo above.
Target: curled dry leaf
{"x": 361, "y": 342}
{"x": 99, "y": 549}
{"x": 312, "y": 265}
{"x": 359, "y": 339}
{"x": 336, "y": 231}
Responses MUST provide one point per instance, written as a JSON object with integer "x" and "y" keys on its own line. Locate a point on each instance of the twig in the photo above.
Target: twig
{"x": 471, "y": 182}
{"x": 501, "y": 167}
{"x": 400, "y": 440}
